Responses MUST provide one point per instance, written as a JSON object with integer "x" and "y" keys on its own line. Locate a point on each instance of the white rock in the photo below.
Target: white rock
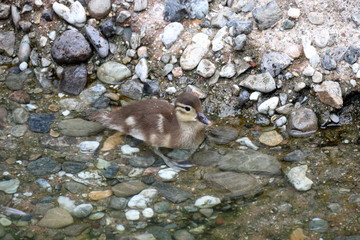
{"x": 168, "y": 174}
{"x": 322, "y": 38}
{"x": 195, "y": 51}
{"x": 74, "y": 15}
{"x": 355, "y": 67}
{"x": 66, "y": 203}
{"x": 171, "y": 33}
{"x": 170, "y": 90}
{"x": 120, "y": 228}
{"x": 254, "y": 96}
{"x": 148, "y": 213}
{"x": 43, "y": 41}
{"x": 142, "y": 199}
{"x": 297, "y": 177}
{"x": 228, "y": 71}
{"x": 65, "y": 113}
{"x": 91, "y": 178}
{"x": 268, "y": 106}
{"x": 205, "y": 68}
{"x": 23, "y": 66}
{"x": 310, "y": 52}
{"x": 294, "y": 12}
{"x": 218, "y": 41}
{"x": 262, "y": 82}
{"x": 142, "y": 69}
{"x": 102, "y": 164}
{"x": 132, "y": 215}
{"x": 88, "y": 146}
{"x": 317, "y": 77}
{"x": 52, "y": 35}
{"x": 5, "y": 222}
{"x": 207, "y": 202}
{"x": 136, "y": 172}
{"x": 245, "y": 141}
{"x": 299, "y": 86}
{"x": 38, "y": 3}
{"x": 127, "y": 149}
{"x": 309, "y": 71}
{"x": 281, "y": 121}
{"x": 45, "y": 62}
{"x": 335, "y": 118}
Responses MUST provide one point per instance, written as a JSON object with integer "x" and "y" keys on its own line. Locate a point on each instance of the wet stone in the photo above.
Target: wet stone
{"x": 233, "y": 184}
{"x": 110, "y": 172}
{"x": 43, "y": 166}
{"x": 19, "y": 130}
{"x": 223, "y": 135}
{"x": 40, "y": 122}
{"x": 57, "y": 144}
{"x": 132, "y": 89}
{"x": 20, "y": 115}
{"x": 20, "y": 96}
{"x": 267, "y": 15}
{"x": 318, "y": 225}
{"x": 76, "y": 229}
{"x": 172, "y": 194}
{"x": 249, "y": 161}
{"x": 82, "y": 210}
{"x": 302, "y": 122}
{"x": 151, "y": 88}
{"x": 183, "y": 235}
{"x": 75, "y": 187}
{"x": 15, "y": 79}
{"x": 9, "y": 186}
{"x": 159, "y": 233}
{"x": 113, "y": 72}
{"x": 143, "y": 162}
{"x": 118, "y": 203}
{"x": 71, "y": 47}
{"x": 127, "y": 189}
{"x": 73, "y": 167}
{"x": 102, "y": 102}
{"x": 79, "y": 128}
{"x": 56, "y": 218}
{"x": 296, "y": 156}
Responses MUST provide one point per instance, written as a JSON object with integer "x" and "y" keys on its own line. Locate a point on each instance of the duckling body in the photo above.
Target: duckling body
{"x": 158, "y": 123}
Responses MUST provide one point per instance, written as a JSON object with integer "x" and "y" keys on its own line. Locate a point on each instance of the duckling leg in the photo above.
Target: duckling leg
{"x": 170, "y": 162}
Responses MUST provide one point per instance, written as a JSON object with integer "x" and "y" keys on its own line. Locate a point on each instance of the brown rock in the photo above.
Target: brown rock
{"x": 74, "y": 79}
{"x": 56, "y": 218}
{"x": 271, "y": 138}
{"x": 127, "y": 189}
{"x": 97, "y": 195}
{"x": 20, "y": 96}
{"x": 330, "y": 94}
{"x": 297, "y": 234}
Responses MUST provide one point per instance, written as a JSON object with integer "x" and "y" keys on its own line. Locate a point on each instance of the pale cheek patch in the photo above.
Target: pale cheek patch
{"x": 116, "y": 127}
{"x": 130, "y": 121}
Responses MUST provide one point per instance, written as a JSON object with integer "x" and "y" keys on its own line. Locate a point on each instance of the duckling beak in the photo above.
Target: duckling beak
{"x": 202, "y": 118}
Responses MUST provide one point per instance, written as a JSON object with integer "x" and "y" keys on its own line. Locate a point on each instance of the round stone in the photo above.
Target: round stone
{"x": 113, "y": 72}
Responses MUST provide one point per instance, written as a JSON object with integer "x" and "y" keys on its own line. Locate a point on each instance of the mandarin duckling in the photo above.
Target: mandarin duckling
{"x": 160, "y": 124}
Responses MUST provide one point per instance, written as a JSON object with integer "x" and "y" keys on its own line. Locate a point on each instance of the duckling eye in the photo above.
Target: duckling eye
{"x": 187, "y": 109}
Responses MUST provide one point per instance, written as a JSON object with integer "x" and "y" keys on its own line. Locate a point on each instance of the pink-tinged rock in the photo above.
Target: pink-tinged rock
{"x": 20, "y": 96}
{"x": 329, "y": 93}
{"x": 293, "y": 50}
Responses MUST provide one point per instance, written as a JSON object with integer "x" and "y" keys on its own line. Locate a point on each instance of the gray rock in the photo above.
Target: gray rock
{"x": 198, "y": 8}
{"x": 41, "y": 75}
{"x": 316, "y": 18}
{"x": 15, "y": 14}
{"x": 222, "y": 17}
{"x": 77, "y": 127}
{"x": 20, "y": 115}
{"x": 248, "y": 7}
{"x": 296, "y": 156}
{"x": 113, "y": 72}
{"x": 275, "y": 62}
{"x": 24, "y": 49}
{"x": 206, "y": 68}
{"x": 4, "y": 11}
{"x": 318, "y": 225}
{"x": 127, "y": 189}
{"x": 92, "y": 94}
{"x": 329, "y": 93}
{"x": 7, "y": 42}
{"x": 183, "y": 235}
{"x": 132, "y": 89}
{"x": 356, "y": 18}
{"x": 82, "y": 210}
{"x": 228, "y": 71}
{"x": 40, "y": 122}
{"x": 9, "y": 186}
{"x": 167, "y": 69}
{"x": 123, "y": 16}
{"x": 233, "y": 184}
{"x": 351, "y": 55}
{"x": 172, "y": 194}
{"x": 140, "y": 5}
{"x": 97, "y": 40}
{"x": 143, "y": 162}
{"x": 159, "y": 233}
{"x": 75, "y": 187}
{"x": 174, "y": 10}
{"x": 108, "y": 28}
{"x": 118, "y": 203}
{"x": 239, "y": 26}
{"x": 302, "y": 122}
{"x": 71, "y": 47}
{"x": 73, "y": 167}
{"x": 18, "y": 130}
{"x": 267, "y": 15}
{"x": 99, "y": 8}
{"x": 288, "y": 24}
{"x": 56, "y": 218}
{"x": 218, "y": 41}
{"x": 263, "y": 82}
{"x": 151, "y": 88}
{"x": 328, "y": 62}
{"x": 171, "y": 33}
{"x": 249, "y": 161}
{"x": 43, "y": 166}
{"x": 161, "y": 207}
{"x": 222, "y": 134}
{"x": 135, "y": 40}
{"x": 74, "y": 79}
{"x": 240, "y": 41}
{"x": 142, "y": 70}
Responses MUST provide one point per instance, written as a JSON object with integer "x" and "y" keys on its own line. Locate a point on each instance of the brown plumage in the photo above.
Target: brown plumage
{"x": 158, "y": 123}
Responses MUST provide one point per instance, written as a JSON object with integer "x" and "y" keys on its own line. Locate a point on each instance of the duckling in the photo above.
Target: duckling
{"x": 160, "y": 124}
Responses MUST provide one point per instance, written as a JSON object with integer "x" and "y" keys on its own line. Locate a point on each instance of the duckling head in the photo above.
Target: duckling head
{"x": 188, "y": 109}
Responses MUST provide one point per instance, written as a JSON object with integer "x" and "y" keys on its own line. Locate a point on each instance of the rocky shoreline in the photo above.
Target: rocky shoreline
{"x": 280, "y": 80}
